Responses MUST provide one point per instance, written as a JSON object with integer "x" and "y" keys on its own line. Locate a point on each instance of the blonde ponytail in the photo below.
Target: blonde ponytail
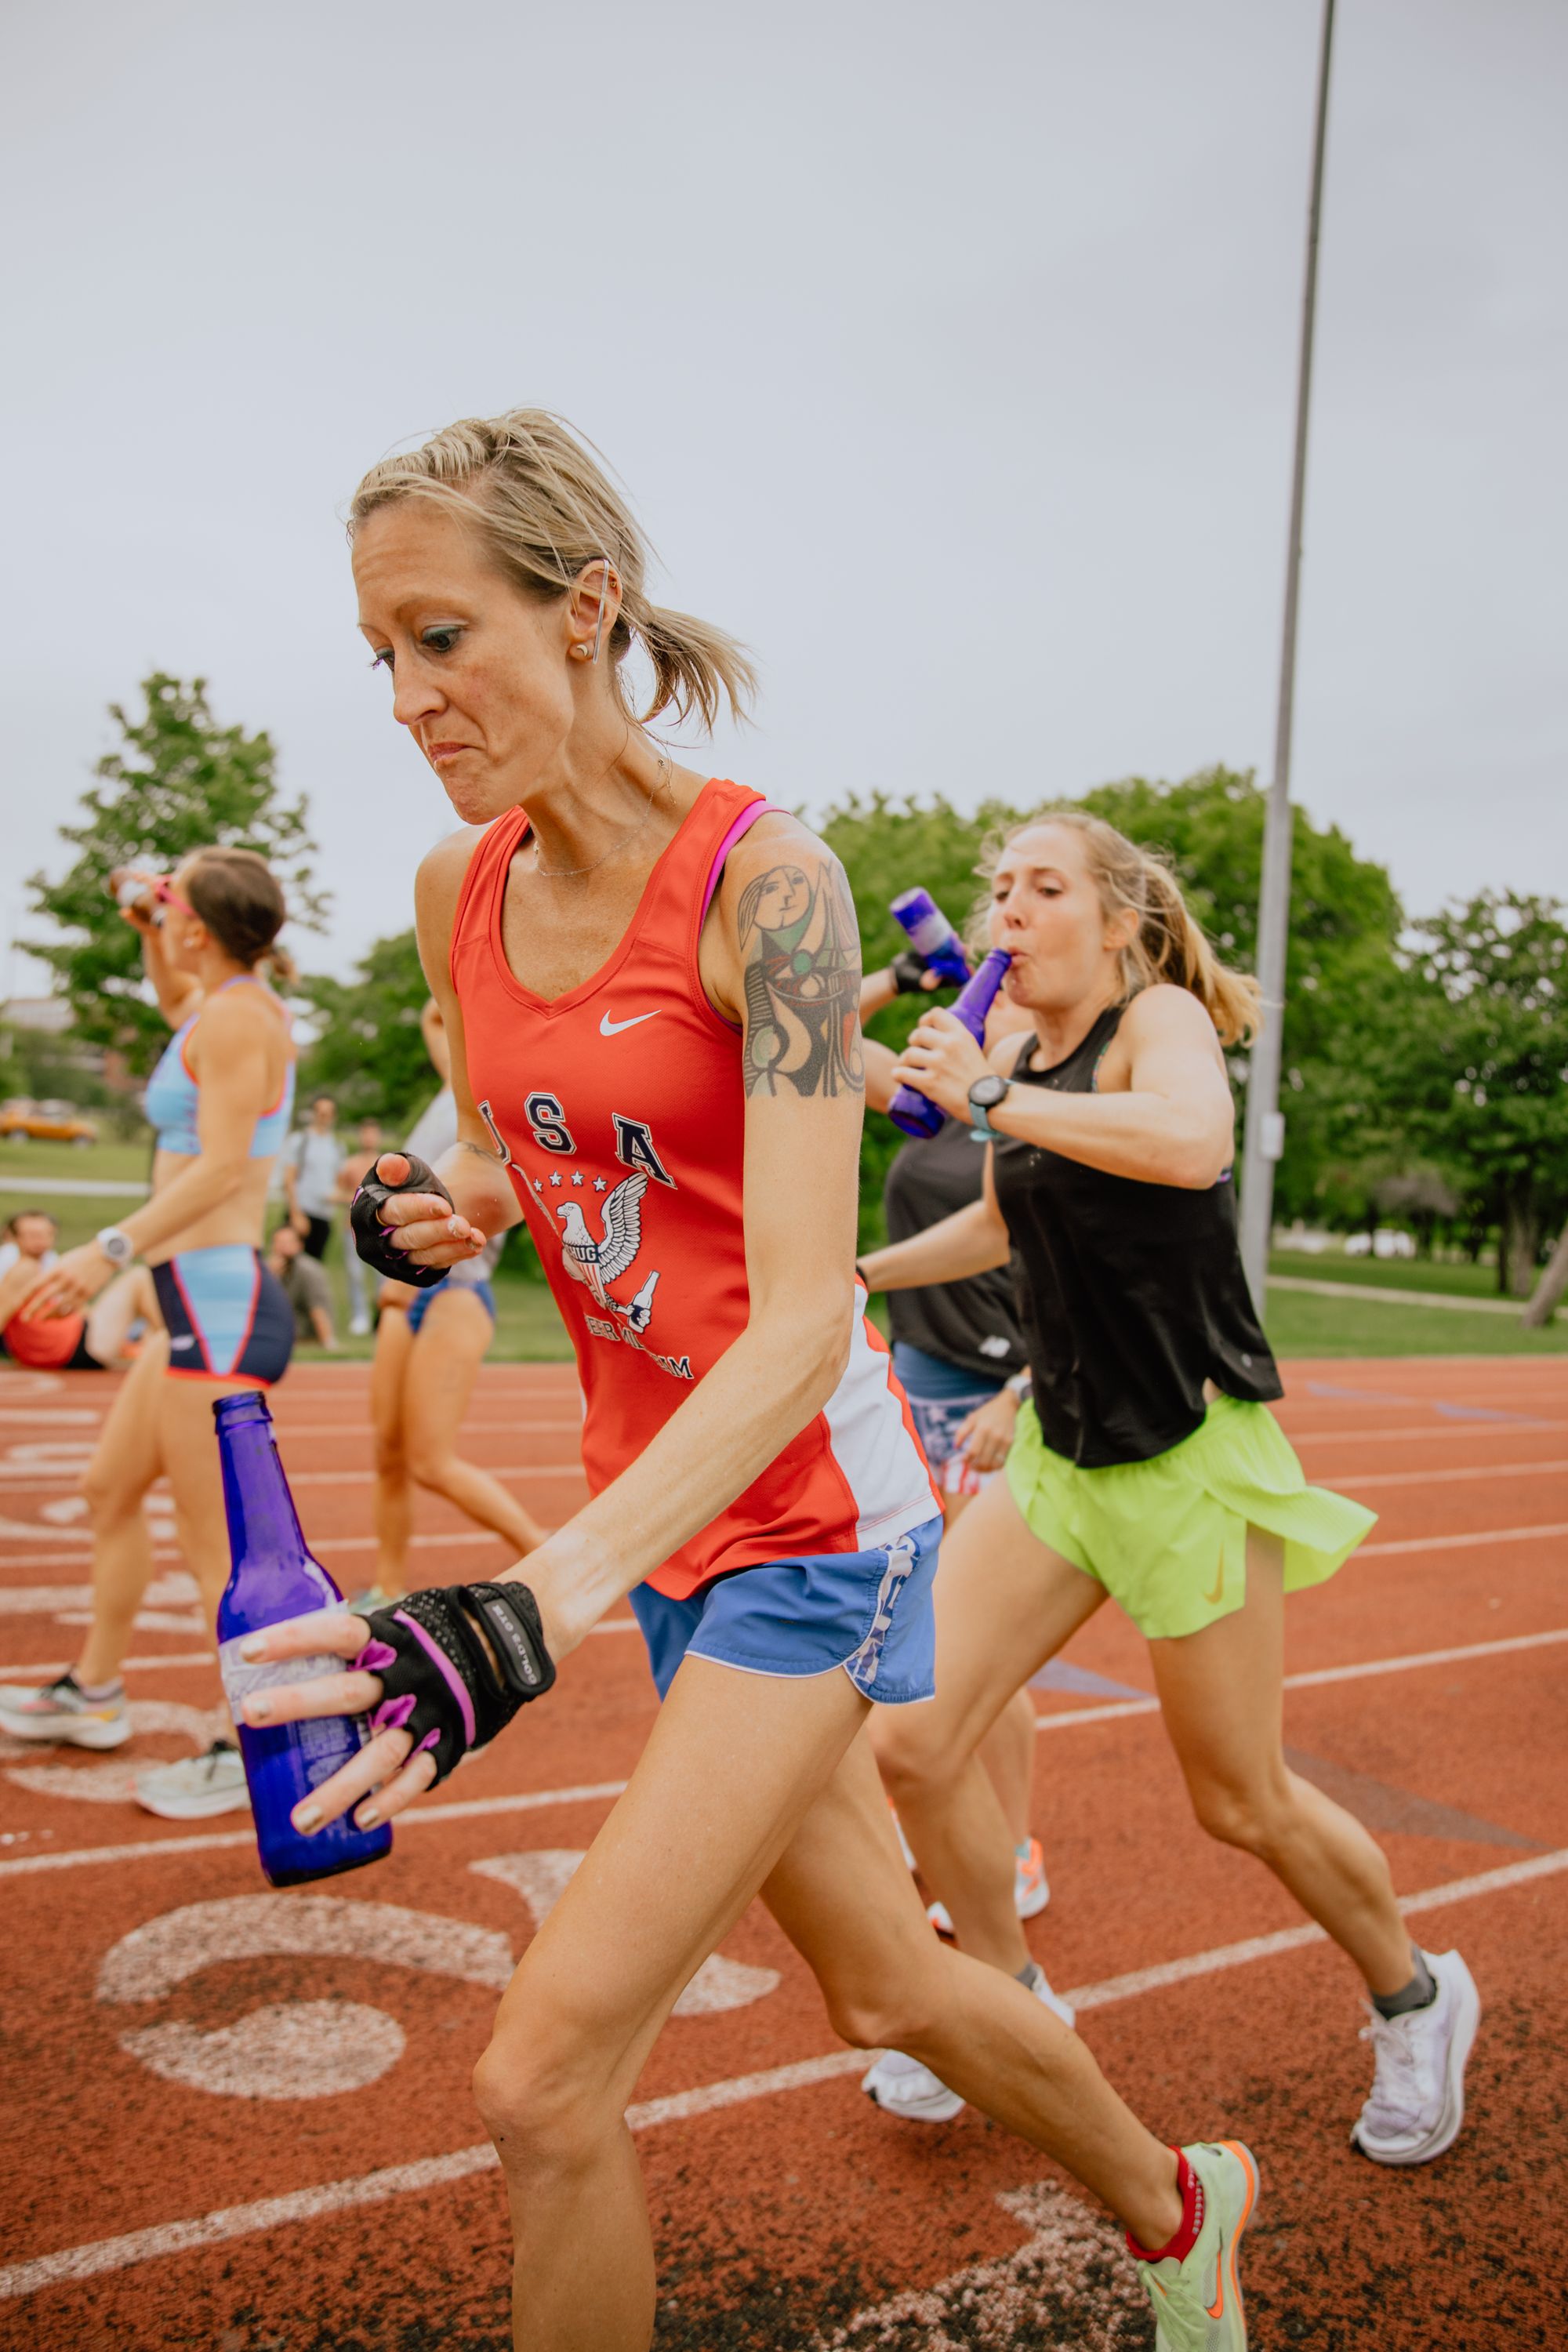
{"x": 545, "y": 510}
{"x": 1170, "y": 945}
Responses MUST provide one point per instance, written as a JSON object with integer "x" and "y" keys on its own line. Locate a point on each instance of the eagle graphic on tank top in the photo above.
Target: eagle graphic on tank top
{"x": 600, "y": 1262}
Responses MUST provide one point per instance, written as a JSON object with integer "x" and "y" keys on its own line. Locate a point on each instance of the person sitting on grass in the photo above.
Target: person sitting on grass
{"x": 305, "y": 1286}
{"x": 31, "y": 1233}
{"x": 96, "y": 1341}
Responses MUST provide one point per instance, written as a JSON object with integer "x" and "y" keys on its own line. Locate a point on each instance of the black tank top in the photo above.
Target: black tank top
{"x": 973, "y": 1323}
{"x": 1132, "y": 1293}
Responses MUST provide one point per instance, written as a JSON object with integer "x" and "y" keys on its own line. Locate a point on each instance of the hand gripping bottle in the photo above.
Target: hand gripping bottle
{"x": 273, "y": 1577}
{"x": 909, "y": 1108}
{"x": 932, "y": 936}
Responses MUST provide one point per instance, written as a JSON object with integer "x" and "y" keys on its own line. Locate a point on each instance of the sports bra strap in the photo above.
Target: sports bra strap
{"x": 737, "y": 832}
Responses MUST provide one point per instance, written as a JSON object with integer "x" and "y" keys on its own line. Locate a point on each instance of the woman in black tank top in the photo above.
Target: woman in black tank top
{"x": 1148, "y": 1466}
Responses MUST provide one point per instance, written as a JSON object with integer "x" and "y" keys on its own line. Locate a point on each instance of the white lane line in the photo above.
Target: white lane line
{"x": 1426, "y": 1658}
{"x": 430, "y": 1543}
{"x": 478, "y": 1807}
{"x": 1458, "y": 1543}
{"x": 1448, "y": 1430}
{"x": 1316, "y": 1676}
{"x": 1440, "y": 1478}
{"x": 135, "y": 2246}
{"x": 45, "y": 1671}
{"x": 1292, "y": 1939}
{"x": 29, "y": 1482}
{"x": 529, "y": 1800}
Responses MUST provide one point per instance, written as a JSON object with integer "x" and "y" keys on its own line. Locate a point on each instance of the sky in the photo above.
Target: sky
{"x": 948, "y": 354}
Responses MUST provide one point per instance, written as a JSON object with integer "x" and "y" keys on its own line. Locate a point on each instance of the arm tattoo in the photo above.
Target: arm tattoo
{"x": 802, "y": 977}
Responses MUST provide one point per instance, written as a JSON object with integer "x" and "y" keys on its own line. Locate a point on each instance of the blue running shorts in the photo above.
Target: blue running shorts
{"x": 867, "y": 1612}
{"x": 423, "y": 1301}
{"x": 227, "y": 1316}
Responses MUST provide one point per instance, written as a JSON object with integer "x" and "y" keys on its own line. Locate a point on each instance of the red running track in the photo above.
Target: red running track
{"x": 250, "y": 2128}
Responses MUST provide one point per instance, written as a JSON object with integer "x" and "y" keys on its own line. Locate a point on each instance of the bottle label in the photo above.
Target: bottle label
{"x": 327, "y": 1741}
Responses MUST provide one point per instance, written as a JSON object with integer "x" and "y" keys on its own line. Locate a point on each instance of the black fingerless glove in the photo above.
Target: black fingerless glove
{"x": 374, "y": 1240}
{"x": 439, "y": 1681}
{"x": 909, "y": 970}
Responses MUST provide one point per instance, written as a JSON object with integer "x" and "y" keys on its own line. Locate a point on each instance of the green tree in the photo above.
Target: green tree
{"x": 369, "y": 1051}
{"x": 1346, "y": 920}
{"x": 1476, "y": 1069}
{"x": 177, "y": 781}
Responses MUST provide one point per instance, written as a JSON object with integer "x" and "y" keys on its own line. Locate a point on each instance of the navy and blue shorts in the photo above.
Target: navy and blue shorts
{"x": 869, "y": 1613}
{"x": 228, "y": 1315}
{"x": 419, "y": 1305}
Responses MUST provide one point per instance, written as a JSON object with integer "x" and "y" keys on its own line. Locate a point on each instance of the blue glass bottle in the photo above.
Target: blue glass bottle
{"x": 274, "y": 1577}
{"x": 911, "y": 1109}
{"x": 932, "y": 936}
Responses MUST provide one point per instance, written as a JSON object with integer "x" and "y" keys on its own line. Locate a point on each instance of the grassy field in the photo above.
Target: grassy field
{"x": 1300, "y": 1325}
{"x": 1460, "y": 1281}
{"x": 528, "y": 1329}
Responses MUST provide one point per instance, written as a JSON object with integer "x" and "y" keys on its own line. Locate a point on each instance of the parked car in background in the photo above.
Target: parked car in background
{"x": 44, "y": 1122}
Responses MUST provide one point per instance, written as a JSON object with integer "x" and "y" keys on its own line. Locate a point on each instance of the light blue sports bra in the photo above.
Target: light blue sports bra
{"x": 170, "y": 1101}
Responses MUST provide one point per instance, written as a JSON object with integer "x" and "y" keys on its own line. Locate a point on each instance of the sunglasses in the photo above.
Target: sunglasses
{"x": 165, "y": 895}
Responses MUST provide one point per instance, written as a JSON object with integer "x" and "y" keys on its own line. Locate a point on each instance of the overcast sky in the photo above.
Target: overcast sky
{"x": 948, "y": 352}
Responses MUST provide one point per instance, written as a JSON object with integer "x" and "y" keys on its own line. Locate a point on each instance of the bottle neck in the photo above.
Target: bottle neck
{"x": 974, "y": 1002}
{"x": 263, "y": 1524}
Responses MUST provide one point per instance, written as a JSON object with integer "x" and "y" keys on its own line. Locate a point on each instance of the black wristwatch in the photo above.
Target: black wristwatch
{"x": 985, "y": 1097}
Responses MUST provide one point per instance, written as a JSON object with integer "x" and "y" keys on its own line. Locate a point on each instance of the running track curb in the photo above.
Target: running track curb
{"x": 73, "y": 2263}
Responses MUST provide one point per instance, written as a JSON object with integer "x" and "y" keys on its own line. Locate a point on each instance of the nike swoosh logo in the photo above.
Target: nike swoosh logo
{"x": 608, "y": 1028}
{"x": 1213, "y": 1599}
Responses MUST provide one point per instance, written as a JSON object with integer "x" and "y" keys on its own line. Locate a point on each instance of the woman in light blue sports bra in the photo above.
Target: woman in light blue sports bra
{"x": 220, "y": 1100}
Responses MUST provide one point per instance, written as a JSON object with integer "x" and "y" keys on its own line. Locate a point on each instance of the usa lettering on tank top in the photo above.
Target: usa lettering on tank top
{"x": 619, "y": 1110}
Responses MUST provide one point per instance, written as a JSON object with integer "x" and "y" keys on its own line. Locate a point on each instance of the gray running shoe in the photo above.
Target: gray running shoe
{"x": 901, "y": 2086}
{"x": 1417, "y": 2101}
{"x": 60, "y": 1712}
{"x": 197, "y": 1786}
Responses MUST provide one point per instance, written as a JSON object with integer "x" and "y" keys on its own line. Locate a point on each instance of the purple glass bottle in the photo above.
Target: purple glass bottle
{"x": 909, "y": 1108}
{"x": 932, "y": 934}
{"x": 273, "y": 1577}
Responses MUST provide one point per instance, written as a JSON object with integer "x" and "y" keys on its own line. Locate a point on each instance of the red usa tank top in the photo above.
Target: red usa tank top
{"x": 620, "y": 1109}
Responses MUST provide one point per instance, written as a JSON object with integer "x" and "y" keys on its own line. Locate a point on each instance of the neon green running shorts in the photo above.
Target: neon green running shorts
{"x": 1167, "y": 1538}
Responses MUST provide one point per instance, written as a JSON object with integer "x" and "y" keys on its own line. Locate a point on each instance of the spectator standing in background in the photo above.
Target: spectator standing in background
{"x": 305, "y": 1286}
{"x": 310, "y": 1170}
{"x": 369, "y": 1142}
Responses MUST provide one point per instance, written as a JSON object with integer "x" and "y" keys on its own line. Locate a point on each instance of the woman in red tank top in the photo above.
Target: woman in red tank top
{"x": 651, "y": 986}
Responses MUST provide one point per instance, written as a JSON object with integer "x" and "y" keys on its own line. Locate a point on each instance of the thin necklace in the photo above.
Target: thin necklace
{"x": 564, "y": 873}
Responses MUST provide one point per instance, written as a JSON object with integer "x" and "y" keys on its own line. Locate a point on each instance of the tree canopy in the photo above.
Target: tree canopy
{"x": 177, "y": 781}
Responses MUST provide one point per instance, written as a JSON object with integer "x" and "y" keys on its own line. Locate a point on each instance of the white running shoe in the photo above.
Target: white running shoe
{"x": 1416, "y": 2105}
{"x": 360, "y": 1326}
{"x": 904, "y": 1846}
{"x": 62, "y": 1713}
{"x": 197, "y": 1786}
{"x": 1031, "y": 1889}
{"x": 902, "y": 2086}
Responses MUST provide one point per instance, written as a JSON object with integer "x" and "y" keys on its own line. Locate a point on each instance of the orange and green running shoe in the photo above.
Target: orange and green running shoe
{"x": 1197, "y": 2302}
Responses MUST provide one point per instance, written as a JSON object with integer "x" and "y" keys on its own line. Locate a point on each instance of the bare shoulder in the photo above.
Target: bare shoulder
{"x": 233, "y": 1016}
{"x": 1169, "y": 1018}
{"x": 775, "y": 841}
{"x": 438, "y": 884}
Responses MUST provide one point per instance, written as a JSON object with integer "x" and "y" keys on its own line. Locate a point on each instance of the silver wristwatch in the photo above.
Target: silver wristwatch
{"x": 117, "y": 1247}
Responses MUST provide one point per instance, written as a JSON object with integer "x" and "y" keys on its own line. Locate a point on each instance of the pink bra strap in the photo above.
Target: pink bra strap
{"x": 742, "y": 826}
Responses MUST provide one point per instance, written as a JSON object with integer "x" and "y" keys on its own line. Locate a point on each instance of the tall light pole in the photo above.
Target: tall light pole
{"x": 1265, "y": 1139}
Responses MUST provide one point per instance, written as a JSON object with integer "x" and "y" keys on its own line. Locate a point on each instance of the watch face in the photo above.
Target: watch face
{"x": 987, "y": 1093}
